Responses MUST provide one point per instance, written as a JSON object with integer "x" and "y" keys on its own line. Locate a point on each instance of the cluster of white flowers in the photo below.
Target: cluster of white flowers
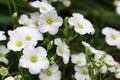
{"x": 112, "y": 36}
{"x": 2, "y": 36}
{"x": 22, "y": 37}
{"x": 103, "y": 61}
{"x": 80, "y": 67}
{"x": 117, "y": 4}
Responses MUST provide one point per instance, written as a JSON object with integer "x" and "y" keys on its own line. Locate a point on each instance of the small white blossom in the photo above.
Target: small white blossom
{"x": 3, "y": 52}
{"x": 51, "y": 73}
{"x": 109, "y": 60}
{"x": 81, "y": 25}
{"x": 103, "y": 69}
{"x": 62, "y": 50}
{"x": 3, "y": 71}
{"x": 117, "y": 4}
{"x": 16, "y": 43}
{"x": 81, "y": 73}
{"x": 44, "y": 7}
{"x": 25, "y": 21}
{"x": 9, "y": 78}
{"x": 79, "y": 59}
{"x": 34, "y": 59}
{"x": 117, "y": 75}
{"x": 2, "y": 36}
{"x": 36, "y": 19}
{"x": 50, "y": 22}
{"x": 18, "y": 77}
{"x": 112, "y": 36}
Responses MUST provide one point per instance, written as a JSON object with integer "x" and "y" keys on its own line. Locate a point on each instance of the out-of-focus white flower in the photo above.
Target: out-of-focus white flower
{"x": 117, "y": 75}
{"x": 2, "y": 36}
{"x": 79, "y": 59}
{"x": 3, "y": 52}
{"x": 103, "y": 69}
{"x": 62, "y": 50}
{"x": 66, "y": 3}
{"x": 81, "y": 73}
{"x": 117, "y": 4}
{"x": 112, "y": 36}
{"x": 9, "y": 78}
{"x": 18, "y": 77}
{"x": 81, "y": 25}
{"x": 34, "y": 59}
{"x": 36, "y": 19}
{"x": 51, "y": 73}
{"x": 3, "y": 71}
{"x": 44, "y": 7}
{"x": 50, "y": 22}
{"x": 25, "y": 21}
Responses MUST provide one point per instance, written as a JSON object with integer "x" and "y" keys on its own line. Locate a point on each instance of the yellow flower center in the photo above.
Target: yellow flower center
{"x": 84, "y": 72}
{"x": 37, "y": 24}
{"x": 44, "y": 8}
{"x": 49, "y": 21}
{"x": 19, "y": 43}
{"x": 48, "y": 72}
{"x": 33, "y": 59}
{"x": 26, "y": 23}
{"x": 61, "y": 50}
{"x": 114, "y": 37}
{"x": 1, "y": 55}
{"x": 28, "y": 38}
{"x": 78, "y": 62}
{"x": 80, "y": 26}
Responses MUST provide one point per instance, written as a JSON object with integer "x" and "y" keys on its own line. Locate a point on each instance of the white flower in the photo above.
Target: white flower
{"x": 81, "y": 73}
{"x": 2, "y": 36}
{"x": 36, "y": 19}
{"x": 43, "y": 6}
{"x": 50, "y": 22}
{"x": 24, "y": 20}
{"x": 3, "y": 71}
{"x": 16, "y": 43}
{"x": 103, "y": 69}
{"x": 18, "y": 77}
{"x": 117, "y": 4}
{"x": 112, "y": 36}
{"x": 3, "y": 52}
{"x": 79, "y": 59}
{"x": 109, "y": 60}
{"x": 117, "y": 75}
{"x": 91, "y": 49}
{"x": 51, "y": 73}
{"x": 66, "y": 3}
{"x": 81, "y": 25}
{"x": 9, "y": 78}
{"x": 62, "y": 50}
{"x": 34, "y": 59}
